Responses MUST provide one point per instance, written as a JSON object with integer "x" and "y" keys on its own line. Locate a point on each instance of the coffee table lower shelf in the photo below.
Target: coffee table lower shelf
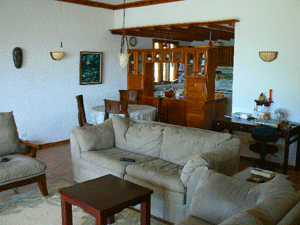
{"x": 103, "y": 197}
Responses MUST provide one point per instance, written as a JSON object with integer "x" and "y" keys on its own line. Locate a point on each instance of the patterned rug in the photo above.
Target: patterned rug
{"x": 32, "y": 208}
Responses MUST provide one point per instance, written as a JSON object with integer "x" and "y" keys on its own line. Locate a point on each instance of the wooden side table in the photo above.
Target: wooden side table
{"x": 103, "y": 197}
{"x": 290, "y": 134}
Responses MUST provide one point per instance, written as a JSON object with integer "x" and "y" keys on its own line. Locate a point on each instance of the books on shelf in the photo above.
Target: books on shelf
{"x": 263, "y": 173}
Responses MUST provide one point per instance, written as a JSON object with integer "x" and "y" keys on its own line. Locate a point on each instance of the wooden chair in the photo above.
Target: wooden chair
{"x": 81, "y": 112}
{"x": 18, "y": 165}
{"x": 115, "y": 107}
{"x": 161, "y": 117}
{"x": 130, "y": 96}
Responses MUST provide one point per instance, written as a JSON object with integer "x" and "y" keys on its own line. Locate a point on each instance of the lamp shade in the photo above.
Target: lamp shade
{"x": 57, "y": 55}
{"x": 268, "y": 56}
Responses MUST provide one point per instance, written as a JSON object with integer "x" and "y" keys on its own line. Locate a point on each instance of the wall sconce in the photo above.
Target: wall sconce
{"x": 268, "y": 56}
{"x": 57, "y": 55}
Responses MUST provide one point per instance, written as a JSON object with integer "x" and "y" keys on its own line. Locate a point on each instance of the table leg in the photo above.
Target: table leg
{"x": 111, "y": 219}
{"x": 298, "y": 153}
{"x": 145, "y": 211}
{"x": 286, "y": 153}
{"x": 101, "y": 220}
{"x": 66, "y": 211}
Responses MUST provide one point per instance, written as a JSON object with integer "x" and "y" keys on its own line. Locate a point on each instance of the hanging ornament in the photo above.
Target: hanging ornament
{"x": 210, "y": 41}
{"x": 124, "y": 57}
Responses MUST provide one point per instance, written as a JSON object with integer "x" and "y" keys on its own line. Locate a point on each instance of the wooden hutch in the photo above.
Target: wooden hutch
{"x": 197, "y": 109}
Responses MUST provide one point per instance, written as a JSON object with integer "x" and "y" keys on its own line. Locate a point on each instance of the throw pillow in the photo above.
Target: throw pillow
{"x": 9, "y": 138}
{"x": 138, "y": 137}
{"x": 96, "y": 137}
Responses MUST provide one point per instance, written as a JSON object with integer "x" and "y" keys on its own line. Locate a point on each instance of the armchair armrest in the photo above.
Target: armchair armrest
{"x": 31, "y": 151}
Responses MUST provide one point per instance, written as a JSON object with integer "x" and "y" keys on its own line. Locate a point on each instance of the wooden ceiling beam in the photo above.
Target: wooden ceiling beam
{"x": 196, "y": 31}
{"x": 142, "y": 3}
{"x": 89, "y": 3}
{"x": 119, "y": 6}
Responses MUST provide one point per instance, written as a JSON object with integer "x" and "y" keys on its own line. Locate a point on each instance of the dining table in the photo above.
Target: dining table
{"x": 136, "y": 111}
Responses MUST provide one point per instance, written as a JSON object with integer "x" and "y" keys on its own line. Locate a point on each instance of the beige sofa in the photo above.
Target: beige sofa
{"x": 165, "y": 157}
{"x": 218, "y": 199}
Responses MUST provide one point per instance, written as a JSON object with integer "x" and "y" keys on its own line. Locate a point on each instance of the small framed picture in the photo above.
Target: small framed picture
{"x": 91, "y": 68}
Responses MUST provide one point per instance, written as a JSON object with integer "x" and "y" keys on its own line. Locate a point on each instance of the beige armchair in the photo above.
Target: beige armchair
{"x": 17, "y": 167}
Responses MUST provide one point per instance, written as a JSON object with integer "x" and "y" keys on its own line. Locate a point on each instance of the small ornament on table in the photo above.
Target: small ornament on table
{"x": 262, "y": 97}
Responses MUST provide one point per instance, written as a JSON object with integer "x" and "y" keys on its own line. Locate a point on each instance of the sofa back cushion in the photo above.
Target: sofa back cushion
{"x": 98, "y": 137}
{"x": 9, "y": 138}
{"x": 181, "y": 143}
{"x": 142, "y": 138}
{"x": 226, "y": 197}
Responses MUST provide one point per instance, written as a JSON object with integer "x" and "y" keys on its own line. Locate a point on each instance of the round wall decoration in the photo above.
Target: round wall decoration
{"x": 133, "y": 41}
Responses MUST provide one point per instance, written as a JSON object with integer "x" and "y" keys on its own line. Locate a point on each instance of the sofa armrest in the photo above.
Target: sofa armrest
{"x": 224, "y": 159}
{"x": 191, "y": 186}
{"x": 96, "y": 137}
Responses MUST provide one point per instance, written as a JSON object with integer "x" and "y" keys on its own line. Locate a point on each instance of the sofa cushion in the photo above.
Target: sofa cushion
{"x": 110, "y": 158}
{"x": 181, "y": 143}
{"x": 227, "y": 196}
{"x": 143, "y": 138}
{"x": 158, "y": 172}
{"x": 19, "y": 167}
{"x": 100, "y": 136}
{"x": 9, "y": 138}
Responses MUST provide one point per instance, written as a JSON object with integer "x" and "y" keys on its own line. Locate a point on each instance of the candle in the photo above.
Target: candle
{"x": 270, "y": 94}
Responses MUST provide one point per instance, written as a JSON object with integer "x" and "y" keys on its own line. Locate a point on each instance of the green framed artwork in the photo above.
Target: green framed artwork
{"x": 91, "y": 67}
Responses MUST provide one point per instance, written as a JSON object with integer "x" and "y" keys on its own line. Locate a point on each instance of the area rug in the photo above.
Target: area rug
{"x": 31, "y": 208}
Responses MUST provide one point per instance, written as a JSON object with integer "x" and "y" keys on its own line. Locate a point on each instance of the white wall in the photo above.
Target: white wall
{"x": 272, "y": 25}
{"x": 42, "y": 92}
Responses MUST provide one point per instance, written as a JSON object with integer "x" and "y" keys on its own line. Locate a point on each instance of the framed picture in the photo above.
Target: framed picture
{"x": 91, "y": 67}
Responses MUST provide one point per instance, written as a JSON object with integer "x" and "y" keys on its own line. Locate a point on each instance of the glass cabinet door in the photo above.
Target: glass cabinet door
{"x": 201, "y": 64}
{"x": 131, "y": 64}
{"x": 190, "y": 64}
{"x": 140, "y": 63}
{"x": 149, "y": 57}
{"x": 178, "y": 57}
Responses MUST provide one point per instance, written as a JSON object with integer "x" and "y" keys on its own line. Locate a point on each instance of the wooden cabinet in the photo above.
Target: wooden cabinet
{"x": 225, "y": 55}
{"x": 197, "y": 109}
{"x": 140, "y": 74}
{"x": 200, "y": 74}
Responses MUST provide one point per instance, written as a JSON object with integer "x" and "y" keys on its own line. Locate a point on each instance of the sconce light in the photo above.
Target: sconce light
{"x": 57, "y": 55}
{"x": 268, "y": 56}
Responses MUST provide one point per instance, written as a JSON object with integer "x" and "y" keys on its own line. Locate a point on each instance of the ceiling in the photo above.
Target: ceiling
{"x": 118, "y": 4}
{"x": 196, "y": 31}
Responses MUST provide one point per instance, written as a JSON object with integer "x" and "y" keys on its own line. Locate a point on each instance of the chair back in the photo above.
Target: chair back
{"x": 81, "y": 112}
{"x": 130, "y": 96}
{"x": 115, "y": 107}
{"x": 161, "y": 117}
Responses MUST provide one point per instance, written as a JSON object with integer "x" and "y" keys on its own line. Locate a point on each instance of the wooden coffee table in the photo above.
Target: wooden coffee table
{"x": 103, "y": 197}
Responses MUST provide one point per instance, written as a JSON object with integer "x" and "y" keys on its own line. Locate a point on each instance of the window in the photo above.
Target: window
{"x": 165, "y": 72}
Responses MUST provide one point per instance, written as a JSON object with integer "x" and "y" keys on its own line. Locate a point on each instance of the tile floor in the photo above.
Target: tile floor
{"x": 59, "y": 168}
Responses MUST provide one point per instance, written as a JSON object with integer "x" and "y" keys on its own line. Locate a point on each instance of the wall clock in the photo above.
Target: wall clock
{"x": 132, "y": 41}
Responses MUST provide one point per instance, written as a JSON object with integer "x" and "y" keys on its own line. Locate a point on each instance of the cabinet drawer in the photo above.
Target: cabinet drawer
{"x": 194, "y": 107}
